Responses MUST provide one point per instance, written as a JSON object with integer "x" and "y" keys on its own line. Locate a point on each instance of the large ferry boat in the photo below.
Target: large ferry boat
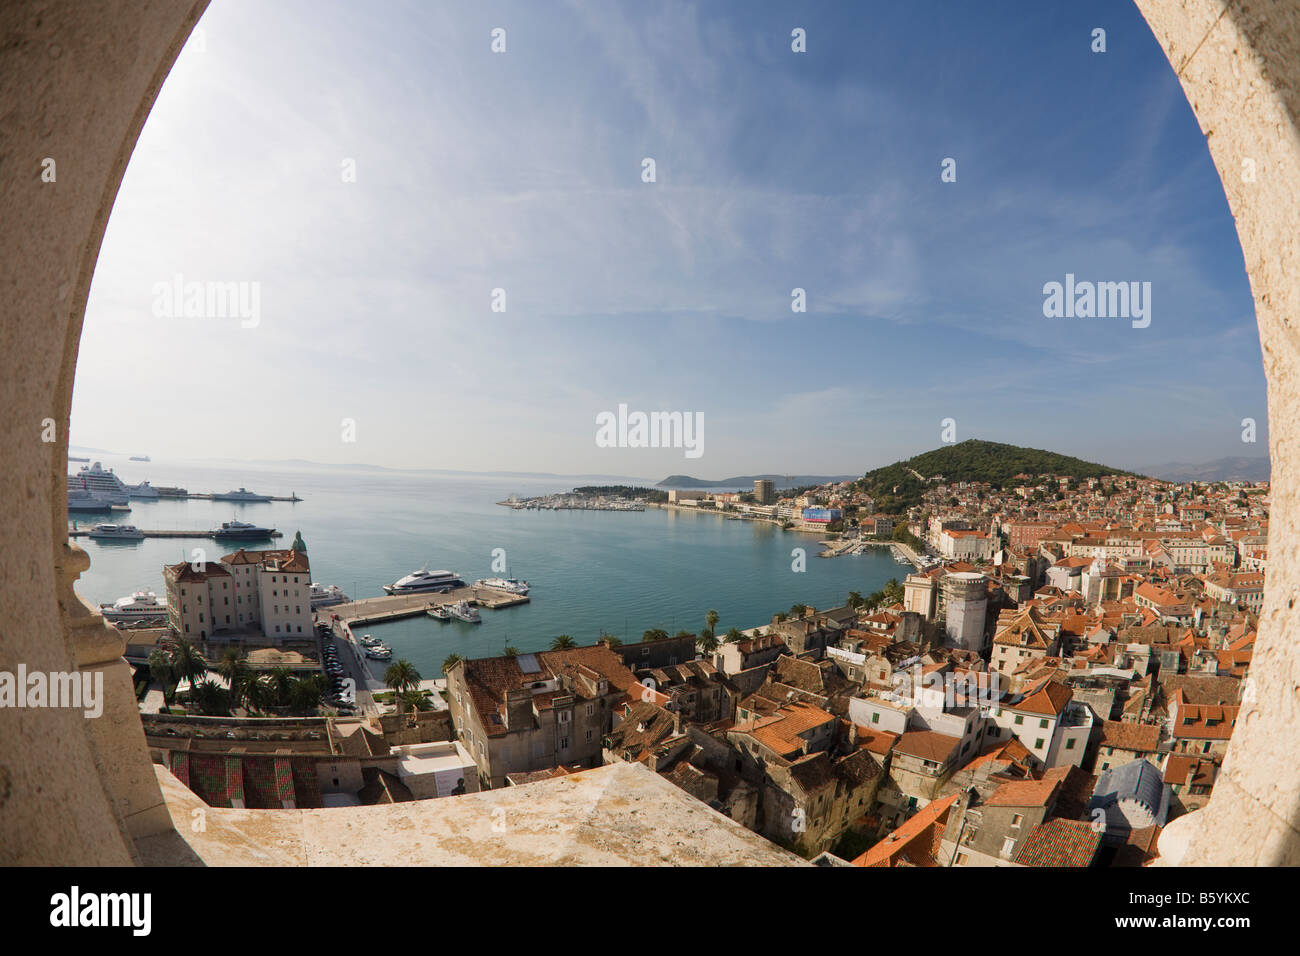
{"x": 425, "y": 580}
{"x": 510, "y": 585}
{"x": 96, "y": 480}
{"x": 140, "y": 606}
{"x": 144, "y": 491}
{"x": 239, "y": 530}
{"x": 140, "y": 458}
{"x": 322, "y": 596}
{"x": 243, "y": 494}
{"x": 82, "y": 501}
{"x": 116, "y": 532}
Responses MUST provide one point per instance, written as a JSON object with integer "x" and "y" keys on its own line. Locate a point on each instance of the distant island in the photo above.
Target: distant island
{"x": 1233, "y": 468}
{"x": 740, "y": 481}
{"x": 899, "y": 486}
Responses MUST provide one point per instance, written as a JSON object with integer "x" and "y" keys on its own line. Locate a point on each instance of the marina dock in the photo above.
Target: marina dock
{"x": 376, "y": 610}
{"x": 82, "y": 532}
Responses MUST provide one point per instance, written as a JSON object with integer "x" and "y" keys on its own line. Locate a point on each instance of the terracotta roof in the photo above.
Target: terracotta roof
{"x": 912, "y": 843}
{"x": 1058, "y": 842}
{"x": 1139, "y": 738}
{"x": 1023, "y": 793}
{"x": 927, "y": 744}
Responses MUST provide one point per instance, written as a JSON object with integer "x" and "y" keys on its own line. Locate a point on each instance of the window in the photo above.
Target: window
{"x": 1043, "y": 723}
{"x": 1069, "y": 744}
{"x": 1038, "y": 744}
{"x": 1019, "y": 719}
{"x": 1008, "y": 845}
{"x": 1017, "y": 819}
{"x": 591, "y": 709}
{"x": 875, "y": 718}
{"x": 564, "y": 743}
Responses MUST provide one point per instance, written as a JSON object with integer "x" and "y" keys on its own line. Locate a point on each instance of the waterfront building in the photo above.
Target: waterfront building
{"x": 764, "y": 491}
{"x": 248, "y": 590}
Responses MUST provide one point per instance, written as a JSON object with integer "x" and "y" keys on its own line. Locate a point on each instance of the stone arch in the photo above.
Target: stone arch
{"x": 77, "y": 84}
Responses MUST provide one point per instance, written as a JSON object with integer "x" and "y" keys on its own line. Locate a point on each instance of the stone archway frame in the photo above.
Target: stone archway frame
{"x": 78, "y": 80}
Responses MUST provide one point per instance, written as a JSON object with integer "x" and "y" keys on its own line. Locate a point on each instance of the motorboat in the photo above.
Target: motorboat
{"x": 138, "y": 606}
{"x": 464, "y": 611}
{"x": 242, "y": 531}
{"x": 116, "y": 532}
{"x": 425, "y": 580}
{"x": 509, "y": 585}
{"x": 440, "y": 611}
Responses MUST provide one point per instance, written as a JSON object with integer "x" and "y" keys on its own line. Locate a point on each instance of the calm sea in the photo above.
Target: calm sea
{"x": 590, "y": 571}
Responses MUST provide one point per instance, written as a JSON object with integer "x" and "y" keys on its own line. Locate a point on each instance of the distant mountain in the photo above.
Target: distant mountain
{"x": 897, "y": 487}
{"x": 778, "y": 481}
{"x": 1232, "y": 468}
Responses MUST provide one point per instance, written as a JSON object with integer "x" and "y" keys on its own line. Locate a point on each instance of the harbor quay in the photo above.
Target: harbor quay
{"x": 173, "y": 533}
{"x": 394, "y": 607}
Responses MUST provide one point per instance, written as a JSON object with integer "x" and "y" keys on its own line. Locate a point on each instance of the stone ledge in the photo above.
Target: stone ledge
{"x": 618, "y": 815}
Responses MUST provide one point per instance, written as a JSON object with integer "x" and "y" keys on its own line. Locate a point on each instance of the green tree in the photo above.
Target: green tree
{"x": 210, "y": 698}
{"x": 188, "y": 664}
{"x": 707, "y": 641}
{"x": 278, "y": 681}
{"x": 162, "y": 670}
{"x": 855, "y": 599}
{"x": 450, "y": 661}
{"x": 401, "y": 676}
{"x": 563, "y": 643}
{"x": 655, "y": 634}
{"x": 711, "y": 620}
{"x": 511, "y": 651}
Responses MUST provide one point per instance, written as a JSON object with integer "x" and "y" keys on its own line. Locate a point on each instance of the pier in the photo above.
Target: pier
{"x": 377, "y": 610}
{"x": 83, "y": 532}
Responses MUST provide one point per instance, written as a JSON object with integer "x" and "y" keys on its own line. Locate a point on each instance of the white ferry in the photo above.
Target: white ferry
{"x": 116, "y": 532}
{"x": 509, "y": 585}
{"x": 425, "y": 580}
{"x": 322, "y": 596}
{"x": 140, "y": 606}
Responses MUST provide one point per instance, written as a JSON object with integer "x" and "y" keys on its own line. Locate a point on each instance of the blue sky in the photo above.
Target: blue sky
{"x": 775, "y": 170}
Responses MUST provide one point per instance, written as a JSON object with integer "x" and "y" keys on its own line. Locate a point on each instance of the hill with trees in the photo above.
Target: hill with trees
{"x": 899, "y": 486}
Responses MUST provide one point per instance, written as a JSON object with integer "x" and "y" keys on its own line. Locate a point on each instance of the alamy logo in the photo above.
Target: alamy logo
{"x": 179, "y": 299}
{"x": 74, "y": 908}
{"x": 74, "y": 690}
{"x": 1100, "y": 300}
{"x": 653, "y": 430}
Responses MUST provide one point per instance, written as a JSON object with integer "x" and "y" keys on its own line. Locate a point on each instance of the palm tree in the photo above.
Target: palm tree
{"x": 188, "y": 664}
{"x": 855, "y": 599}
{"x": 656, "y": 634}
{"x": 304, "y": 694}
{"x": 711, "y": 620}
{"x": 563, "y": 643}
{"x": 278, "y": 681}
{"x": 401, "y": 676}
{"x": 733, "y": 635}
{"x": 235, "y": 671}
{"x": 512, "y": 652}
{"x": 707, "y": 642}
{"x": 254, "y": 693}
{"x": 162, "y": 670}
{"x": 210, "y": 697}
{"x": 450, "y": 661}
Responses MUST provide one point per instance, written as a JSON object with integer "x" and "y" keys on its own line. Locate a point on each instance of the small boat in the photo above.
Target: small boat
{"x": 462, "y": 611}
{"x": 379, "y": 653}
{"x": 243, "y": 494}
{"x": 440, "y": 611}
{"x": 369, "y": 640}
{"x": 116, "y": 532}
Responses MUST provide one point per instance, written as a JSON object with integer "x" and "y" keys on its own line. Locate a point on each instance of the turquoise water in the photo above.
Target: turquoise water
{"x": 590, "y": 571}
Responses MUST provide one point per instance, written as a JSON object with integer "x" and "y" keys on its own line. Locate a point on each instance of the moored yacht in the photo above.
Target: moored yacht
{"x": 243, "y": 494}
{"x": 440, "y": 611}
{"x": 425, "y": 580}
{"x": 241, "y": 531}
{"x": 463, "y": 611}
{"x": 510, "y": 585}
{"x": 322, "y": 596}
{"x": 379, "y": 652}
{"x": 82, "y": 501}
{"x": 116, "y": 532}
{"x": 140, "y": 606}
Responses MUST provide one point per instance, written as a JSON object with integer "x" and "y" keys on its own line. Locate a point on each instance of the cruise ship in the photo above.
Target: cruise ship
{"x": 140, "y": 606}
{"x": 239, "y": 530}
{"x": 322, "y": 596}
{"x": 510, "y": 585}
{"x": 243, "y": 494}
{"x": 116, "y": 532}
{"x": 98, "y": 481}
{"x": 425, "y": 580}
